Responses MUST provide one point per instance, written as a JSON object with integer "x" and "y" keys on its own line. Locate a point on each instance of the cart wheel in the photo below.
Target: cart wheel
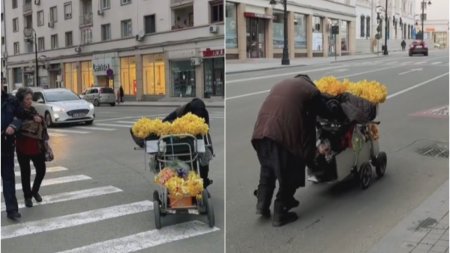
{"x": 211, "y": 218}
{"x": 365, "y": 175}
{"x": 203, "y": 207}
{"x": 380, "y": 166}
{"x": 156, "y": 211}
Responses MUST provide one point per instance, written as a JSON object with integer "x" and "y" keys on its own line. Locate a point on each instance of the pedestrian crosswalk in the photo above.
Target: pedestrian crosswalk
{"x": 89, "y": 215}
{"x": 398, "y": 63}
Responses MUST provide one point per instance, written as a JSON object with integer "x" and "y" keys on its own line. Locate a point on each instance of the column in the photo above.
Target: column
{"x": 269, "y": 34}
{"x": 351, "y": 37}
{"x": 139, "y": 78}
{"x": 241, "y": 31}
{"x": 309, "y": 35}
{"x": 79, "y": 78}
{"x": 199, "y": 81}
{"x": 324, "y": 37}
{"x": 291, "y": 35}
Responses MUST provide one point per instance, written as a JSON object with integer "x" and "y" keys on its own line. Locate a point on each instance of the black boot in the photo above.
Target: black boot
{"x": 281, "y": 216}
{"x": 264, "y": 197}
{"x": 291, "y": 203}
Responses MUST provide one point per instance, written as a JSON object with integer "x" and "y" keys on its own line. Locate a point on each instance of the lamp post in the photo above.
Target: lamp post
{"x": 29, "y": 32}
{"x": 285, "y": 59}
{"x": 424, "y": 4}
{"x": 385, "y": 51}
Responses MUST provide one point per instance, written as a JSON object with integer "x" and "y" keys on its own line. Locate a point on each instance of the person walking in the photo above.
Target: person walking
{"x": 121, "y": 94}
{"x": 403, "y": 44}
{"x": 10, "y": 126}
{"x": 30, "y": 146}
{"x": 284, "y": 138}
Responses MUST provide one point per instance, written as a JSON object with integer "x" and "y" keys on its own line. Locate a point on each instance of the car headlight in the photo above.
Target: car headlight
{"x": 91, "y": 106}
{"x": 57, "y": 109}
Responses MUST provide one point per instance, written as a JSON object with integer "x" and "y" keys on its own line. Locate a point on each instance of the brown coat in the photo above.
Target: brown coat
{"x": 287, "y": 118}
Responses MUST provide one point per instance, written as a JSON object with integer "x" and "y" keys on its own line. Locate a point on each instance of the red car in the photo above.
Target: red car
{"x": 418, "y": 47}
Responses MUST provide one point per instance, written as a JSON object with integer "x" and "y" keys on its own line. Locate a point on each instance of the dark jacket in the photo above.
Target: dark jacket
{"x": 10, "y": 109}
{"x": 196, "y": 106}
{"x": 287, "y": 116}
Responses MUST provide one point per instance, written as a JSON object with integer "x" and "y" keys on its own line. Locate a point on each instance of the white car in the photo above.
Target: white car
{"x": 60, "y": 105}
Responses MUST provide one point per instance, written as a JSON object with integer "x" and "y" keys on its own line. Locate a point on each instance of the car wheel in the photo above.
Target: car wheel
{"x": 48, "y": 119}
{"x": 410, "y": 54}
{"x": 96, "y": 102}
{"x": 113, "y": 104}
{"x": 426, "y": 54}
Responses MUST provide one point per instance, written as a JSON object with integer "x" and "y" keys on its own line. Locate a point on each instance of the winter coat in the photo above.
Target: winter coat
{"x": 196, "y": 106}
{"x": 287, "y": 117}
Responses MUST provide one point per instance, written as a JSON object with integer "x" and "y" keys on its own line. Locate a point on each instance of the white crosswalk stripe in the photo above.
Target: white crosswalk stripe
{"x": 148, "y": 239}
{"x": 71, "y": 220}
{"x": 420, "y": 63}
{"x": 68, "y": 131}
{"x": 66, "y": 196}
{"x": 58, "y": 180}
{"x": 435, "y": 63}
{"x": 55, "y": 134}
{"x": 49, "y": 170}
{"x": 96, "y": 128}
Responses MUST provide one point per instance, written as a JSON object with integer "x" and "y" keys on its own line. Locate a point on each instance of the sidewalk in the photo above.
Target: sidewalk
{"x": 209, "y": 104}
{"x": 240, "y": 66}
{"x": 425, "y": 229}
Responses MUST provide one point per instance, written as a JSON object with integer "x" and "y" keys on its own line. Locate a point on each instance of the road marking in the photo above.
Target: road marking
{"x": 71, "y": 220}
{"x": 435, "y": 63}
{"x": 49, "y": 170}
{"x": 68, "y": 131}
{"x": 278, "y": 75}
{"x": 409, "y": 71}
{"x": 97, "y": 128}
{"x": 58, "y": 180}
{"x": 339, "y": 70}
{"x": 148, "y": 239}
{"x": 66, "y": 196}
{"x": 56, "y": 134}
{"x": 420, "y": 63}
{"x": 415, "y": 86}
{"x": 113, "y": 125}
{"x": 247, "y": 95}
{"x": 440, "y": 112}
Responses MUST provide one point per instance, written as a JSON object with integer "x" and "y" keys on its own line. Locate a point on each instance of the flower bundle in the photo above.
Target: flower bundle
{"x": 372, "y": 91}
{"x": 145, "y": 127}
{"x": 189, "y": 123}
{"x": 180, "y": 184}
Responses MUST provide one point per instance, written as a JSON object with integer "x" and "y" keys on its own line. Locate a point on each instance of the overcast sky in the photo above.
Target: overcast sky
{"x": 438, "y": 9}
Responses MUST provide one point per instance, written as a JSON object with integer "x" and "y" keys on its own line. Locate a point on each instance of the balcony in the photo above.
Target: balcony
{"x": 183, "y": 17}
{"x": 86, "y": 19}
{"x": 175, "y": 3}
{"x": 27, "y": 7}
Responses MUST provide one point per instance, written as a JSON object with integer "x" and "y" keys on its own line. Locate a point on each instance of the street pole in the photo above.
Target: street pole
{"x": 422, "y": 18}
{"x": 36, "y": 60}
{"x": 285, "y": 60}
{"x": 385, "y": 52}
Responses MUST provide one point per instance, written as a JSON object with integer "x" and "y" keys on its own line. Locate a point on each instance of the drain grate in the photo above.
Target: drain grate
{"x": 434, "y": 150}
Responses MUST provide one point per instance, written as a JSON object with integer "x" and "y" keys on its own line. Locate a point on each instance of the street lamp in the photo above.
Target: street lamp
{"x": 28, "y": 32}
{"x": 285, "y": 59}
{"x": 424, "y": 5}
{"x": 385, "y": 52}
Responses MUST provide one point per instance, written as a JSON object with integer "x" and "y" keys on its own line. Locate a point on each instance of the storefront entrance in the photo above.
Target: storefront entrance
{"x": 256, "y": 37}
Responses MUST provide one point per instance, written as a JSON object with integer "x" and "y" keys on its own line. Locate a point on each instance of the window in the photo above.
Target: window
{"x": 87, "y": 75}
{"x": 217, "y": 12}
{"x": 106, "y": 32}
{"x": 3, "y": 40}
{"x": 122, "y": 2}
{"x": 154, "y": 79}
{"x": 300, "y": 30}
{"x": 128, "y": 74}
{"x": 40, "y": 18}
{"x": 368, "y": 27}
{"x": 68, "y": 10}
{"x": 3, "y": 16}
{"x": 362, "y": 23}
{"x": 317, "y": 38}
{"x": 41, "y": 44}
{"x": 69, "y": 39}
{"x": 86, "y": 35}
{"x": 29, "y": 46}
{"x": 53, "y": 14}
{"x": 183, "y": 17}
{"x": 183, "y": 78}
{"x": 278, "y": 30}
{"x": 16, "y": 48}
{"x": 343, "y": 30}
{"x": 71, "y": 76}
{"x": 28, "y": 21}
{"x": 15, "y": 24}
{"x": 149, "y": 22}
{"x": 230, "y": 26}
{"x": 214, "y": 77}
{"x": 104, "y": 4}
{"x": 126, "y": 28}
{"x": 54, "y": 41}
{"x": 14, "y": 4}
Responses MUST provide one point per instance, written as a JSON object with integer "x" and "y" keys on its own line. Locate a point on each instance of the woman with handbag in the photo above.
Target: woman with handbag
{"x": 31, "y": 146}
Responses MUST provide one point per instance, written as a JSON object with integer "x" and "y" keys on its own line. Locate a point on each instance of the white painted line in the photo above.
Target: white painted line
{"x": 49, "y": 170}
{"x": 278, "y": 75}
{"x": 112, "y": 125}
{"x": 148, "y": 239}
{"x": 96, "y": 128}
{"x": 409, "y": 71}
{"x": 56, "y": 134}
{"x": 69, "y": 131}
{"x": 247, "y": 95}
{"x": 58, "y": 180}
{"x": 435, "y": 63}
{"x": 339, "y": 70}
{"x": 420, "y": 63}
{"x": 71, "y": 220}
{"x": 415, "y": 86}
{"x": 132, "y": 117}
{"x": 66, "y": 196}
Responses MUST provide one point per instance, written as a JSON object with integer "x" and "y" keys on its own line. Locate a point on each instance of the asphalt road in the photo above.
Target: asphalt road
{"x": 339, "y": 216}
{"x": 100, "y": 194}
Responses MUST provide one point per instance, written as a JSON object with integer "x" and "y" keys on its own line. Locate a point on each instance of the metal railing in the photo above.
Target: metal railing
{"x": 27, "y": 6}
{"x": 180, "y": 2}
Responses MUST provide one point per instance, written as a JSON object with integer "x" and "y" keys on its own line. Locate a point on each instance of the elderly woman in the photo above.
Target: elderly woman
{"x": 30, "y": 146}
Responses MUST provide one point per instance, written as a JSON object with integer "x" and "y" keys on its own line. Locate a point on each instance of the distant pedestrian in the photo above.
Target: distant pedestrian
{"x": 403, "y": 44}
{"x": 121, "y": 94}
{"x": 10, "y": 126}
{"x": 30, "y": 146}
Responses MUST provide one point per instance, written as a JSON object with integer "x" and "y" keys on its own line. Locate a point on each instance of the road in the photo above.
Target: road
{"x": 98, "y": 191}
{"x": 339, "y": 216}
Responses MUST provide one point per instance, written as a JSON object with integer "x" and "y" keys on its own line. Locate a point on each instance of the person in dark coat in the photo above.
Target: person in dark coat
{"x": 403, "y": 44}
{"x": 121, "y": 94}
{"x": 284, "y": 138}
{"x": 10, "y": 125}
{"x": 195, "y": 106}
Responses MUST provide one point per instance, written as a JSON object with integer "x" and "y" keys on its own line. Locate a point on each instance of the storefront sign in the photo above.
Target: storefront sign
{"x": 257, "y": 15}
{"x": 100, "y": 66}
{"x": 208, "y": 53}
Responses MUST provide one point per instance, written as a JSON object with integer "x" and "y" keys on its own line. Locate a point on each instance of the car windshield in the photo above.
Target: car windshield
{"x": 107, "y": 90}
{"x": 60, "y": 95}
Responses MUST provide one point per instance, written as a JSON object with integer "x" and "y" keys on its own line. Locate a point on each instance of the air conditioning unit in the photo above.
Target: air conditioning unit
{"x": 37, "y": 2}
{"x": 78, "y": 49}
{"x": 68, "y": 15}
{"x": 100, "y": 12}
{"x": 140, "y": 36}
{"x": 213, "y": 28}
{"x": 196, "y": 61}
{"x": 51, "y": 24}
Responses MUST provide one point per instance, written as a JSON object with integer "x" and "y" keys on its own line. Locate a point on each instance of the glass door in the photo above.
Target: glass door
{"x": 255, "y": 37}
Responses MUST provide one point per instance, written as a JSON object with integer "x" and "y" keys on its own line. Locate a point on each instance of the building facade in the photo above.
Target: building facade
{"x": 153, "y": 49}
{"x": 400, "y": 23}
{"x": 254, "y": 28}
{"x": 436, "y": 32}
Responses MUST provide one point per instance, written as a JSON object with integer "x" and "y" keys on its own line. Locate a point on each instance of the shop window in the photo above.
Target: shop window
{"x": 278, "y": 30}
{"x": 362, "y": 23}
{"x": 183, "y": 78}
{"x": 343, "y": 30}
{"x": 368, "y": 27}
{"x": 71, "y": 77}
{"x": 317, "y": 34}
{"x": 216, "y": 11}
{"x": 214, "y": 77}
{"x": 17, "y": 75}
{"x": 300, "y": 30}
{"x": 128, "y": 75}
{"x": 230, "y": 26}
{"x": 154, "y": 75}
{"x": 149, "y": 22}
{"x": 183, "y": 17}
{"x": 87, "y": 75}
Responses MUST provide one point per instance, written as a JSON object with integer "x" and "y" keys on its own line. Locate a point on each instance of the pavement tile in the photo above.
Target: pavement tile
{"x": 441, "y": 243}
{"x": 421, "y": 248}
{"x": 439, "y": 249}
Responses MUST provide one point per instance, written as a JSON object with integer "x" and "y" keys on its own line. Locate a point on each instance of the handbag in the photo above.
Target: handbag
{"x": 49, "y": 156}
